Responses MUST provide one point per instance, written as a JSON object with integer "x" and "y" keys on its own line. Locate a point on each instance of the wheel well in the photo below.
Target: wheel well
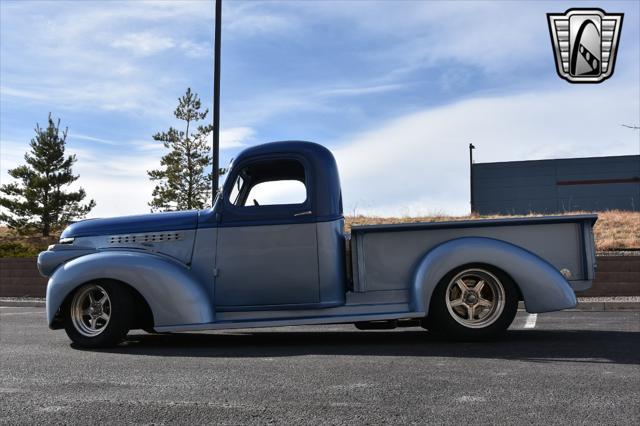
{"x": 143, "y": 315}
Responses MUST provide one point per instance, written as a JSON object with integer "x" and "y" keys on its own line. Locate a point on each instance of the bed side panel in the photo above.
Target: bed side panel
{"x": 386, "y": 260}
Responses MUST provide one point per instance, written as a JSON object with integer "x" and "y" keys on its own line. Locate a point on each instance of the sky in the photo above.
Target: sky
{"x": 396, "y": 90}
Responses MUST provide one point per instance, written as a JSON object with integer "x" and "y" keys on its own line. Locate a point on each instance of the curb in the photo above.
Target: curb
{"x": 609, "y": 306}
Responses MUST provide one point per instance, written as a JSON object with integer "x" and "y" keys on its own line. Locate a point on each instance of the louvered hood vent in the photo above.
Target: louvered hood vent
{"x": 151, "y": 237}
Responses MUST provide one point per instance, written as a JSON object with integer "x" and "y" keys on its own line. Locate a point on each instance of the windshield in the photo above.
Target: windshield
{"x": 223, "y": 172}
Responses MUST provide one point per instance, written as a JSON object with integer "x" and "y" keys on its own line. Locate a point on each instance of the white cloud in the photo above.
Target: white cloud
{"x": 418, "y": 164}
{"x": 80, "y": 136}
{"x": 119, "y": 184}
{"x": 251, "y": 19}
{"x": 196, "y": 50}
{"x": 359, "y": 90}
{"x": 148, "y": 43}
{"x": 145, "y": 43}
{"x": 235, "y": 137}
{"x": 20, "y": 93}
{"x": 148, "y": 145}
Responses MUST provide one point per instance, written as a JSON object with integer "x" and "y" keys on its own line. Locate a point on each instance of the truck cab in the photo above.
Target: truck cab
{"x": 280, "y": 230}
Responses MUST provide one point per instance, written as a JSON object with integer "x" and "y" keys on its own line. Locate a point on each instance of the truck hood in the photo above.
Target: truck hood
{"x": 168, "y": 221}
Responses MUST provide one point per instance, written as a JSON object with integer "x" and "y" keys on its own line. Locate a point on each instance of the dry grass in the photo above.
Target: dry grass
{"x": 13, "y": 244}
{"x": 617, "y": 230}
{"x": 614, "y": 230}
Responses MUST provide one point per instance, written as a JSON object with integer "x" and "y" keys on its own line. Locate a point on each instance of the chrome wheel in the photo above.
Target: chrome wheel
{"x": 475, "y": 298}
{"x": 90, "y": 310}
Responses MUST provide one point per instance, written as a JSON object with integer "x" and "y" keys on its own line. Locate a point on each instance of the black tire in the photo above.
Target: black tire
{"x": 448, "y": 322}
{"x": 120, "y": 311}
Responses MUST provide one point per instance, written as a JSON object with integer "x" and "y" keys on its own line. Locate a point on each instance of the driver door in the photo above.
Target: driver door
{"x": 267, "y": 249}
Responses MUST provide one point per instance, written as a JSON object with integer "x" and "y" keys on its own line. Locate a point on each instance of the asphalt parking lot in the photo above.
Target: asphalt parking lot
{"x": 564, "y": 367}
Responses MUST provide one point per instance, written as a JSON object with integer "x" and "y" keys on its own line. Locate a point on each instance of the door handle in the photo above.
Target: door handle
{"x": 308, "y": 212}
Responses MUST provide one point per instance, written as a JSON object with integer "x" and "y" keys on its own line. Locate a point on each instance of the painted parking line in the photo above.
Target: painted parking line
{"x": 531, "y": 321}
{"x": 7, "y": 314}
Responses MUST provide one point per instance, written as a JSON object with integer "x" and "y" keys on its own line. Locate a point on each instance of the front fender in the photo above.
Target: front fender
{"x": 174, "y": 295}
{"x": 542, "y": 286}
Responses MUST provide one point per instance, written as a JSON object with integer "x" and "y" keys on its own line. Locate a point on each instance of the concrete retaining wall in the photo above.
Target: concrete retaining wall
{"x": 19, "y": 277}
{"x": 616, "y": 276}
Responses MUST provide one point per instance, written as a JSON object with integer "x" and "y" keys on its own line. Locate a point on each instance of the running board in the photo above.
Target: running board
{"x": 284, "y": 322}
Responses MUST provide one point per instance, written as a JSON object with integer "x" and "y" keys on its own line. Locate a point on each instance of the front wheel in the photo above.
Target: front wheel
{"x": 99, "y": 314}
{"x": 473, "y": 303}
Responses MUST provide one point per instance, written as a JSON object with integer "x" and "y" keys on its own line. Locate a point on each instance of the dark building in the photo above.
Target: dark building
{"x": 554, "y": 186}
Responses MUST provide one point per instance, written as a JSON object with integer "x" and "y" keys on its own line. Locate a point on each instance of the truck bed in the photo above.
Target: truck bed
{"x": 384, "y": 256}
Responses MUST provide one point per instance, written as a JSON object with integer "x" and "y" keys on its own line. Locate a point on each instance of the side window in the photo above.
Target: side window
{"x": 268, "y": 183}
{"x": 277, "y": 192}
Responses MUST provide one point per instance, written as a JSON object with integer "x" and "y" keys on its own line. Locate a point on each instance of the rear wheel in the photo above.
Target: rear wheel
{"x": 473, "y": 303}
{"x": 99, "y": 314}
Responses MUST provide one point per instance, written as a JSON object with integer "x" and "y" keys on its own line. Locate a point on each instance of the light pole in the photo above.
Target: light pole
{"x": 471, "y": 148}
{"x": 216, "y": 102}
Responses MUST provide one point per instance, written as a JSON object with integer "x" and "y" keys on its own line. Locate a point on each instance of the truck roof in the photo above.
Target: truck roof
{"x": 321, "y": 172}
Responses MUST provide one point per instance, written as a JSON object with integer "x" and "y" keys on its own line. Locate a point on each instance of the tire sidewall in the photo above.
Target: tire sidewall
{"x": 119, "y": 323}
{"x": 441, "y": 321}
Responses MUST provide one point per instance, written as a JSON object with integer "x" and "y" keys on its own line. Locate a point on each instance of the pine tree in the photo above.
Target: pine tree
{"x": 38, "y": 201}
{"x": 182, "y": 181}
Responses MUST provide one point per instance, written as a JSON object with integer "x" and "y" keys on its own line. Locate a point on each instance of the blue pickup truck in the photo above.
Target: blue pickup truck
{"x": 259, "y": 260}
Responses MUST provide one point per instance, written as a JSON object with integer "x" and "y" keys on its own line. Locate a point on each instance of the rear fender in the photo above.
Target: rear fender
{"x": 542, "y": 286}
{"x": 174, "y": 295}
